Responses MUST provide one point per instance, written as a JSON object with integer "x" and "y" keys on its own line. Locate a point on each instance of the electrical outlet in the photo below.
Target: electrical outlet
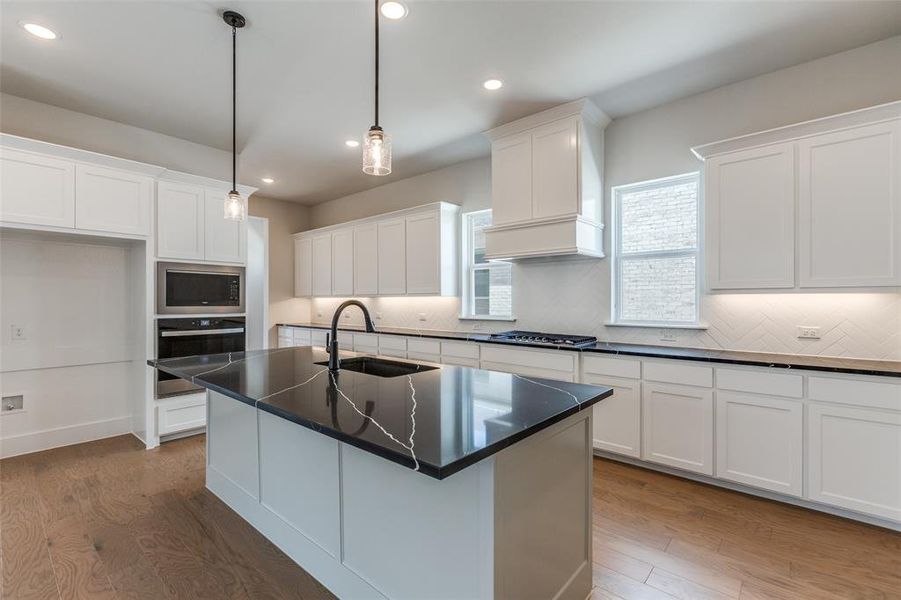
{"x": 477, "y": 326}
{"x": 422, "y": 317}
{"x": 12, "y": 403}
{"x": 808, "y": 332}
{"x": 668, "y": 335}
{"x": 17, "y": 332}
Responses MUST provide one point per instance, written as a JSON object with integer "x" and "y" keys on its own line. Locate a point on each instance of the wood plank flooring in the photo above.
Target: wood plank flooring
{"x": 109, "y": 519}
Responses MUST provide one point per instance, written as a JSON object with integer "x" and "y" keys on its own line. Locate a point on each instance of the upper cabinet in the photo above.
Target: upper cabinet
{"x": 815, "y": 205}
{"x": 408, "y": 252}
{"x": 113, "y": 200}
{"x": 36, "y": 189}
{"x": 191, "y": 225}
{"x": 547, "y": 184}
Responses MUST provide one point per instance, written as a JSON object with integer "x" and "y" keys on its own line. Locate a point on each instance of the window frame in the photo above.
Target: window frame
{"x": 468, "y": 268}
{"x": 619, "y": 256}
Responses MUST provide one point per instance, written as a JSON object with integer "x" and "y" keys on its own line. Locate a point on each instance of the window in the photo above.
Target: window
{"x": 655, "y": 247}
{"x": 487, "y": 286}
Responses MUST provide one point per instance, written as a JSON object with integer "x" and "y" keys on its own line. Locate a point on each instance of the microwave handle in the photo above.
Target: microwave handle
{"x": 202, "y": 332}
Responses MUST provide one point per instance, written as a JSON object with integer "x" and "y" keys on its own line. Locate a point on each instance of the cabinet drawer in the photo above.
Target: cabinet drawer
{"x": 760, "y": 382}
{"x": 285, "y": 332}
{"x": 392, "y": 342}
{"x": 301, "y": 336}
{"x": 472, "y": 363}
{"x": 285, "y": 342}
{"x": 421, "y": 346}
{"x": 612, "y": 367}
{"x": 460, "y": 350}
{"x": 318, "y": 337}
{"x": 181, "y": 414}
{"x": 537, "y": 359}
{"x": 873, "y": 394}
{"x": 424, "y": 356}
{"x": 680, "y": 372}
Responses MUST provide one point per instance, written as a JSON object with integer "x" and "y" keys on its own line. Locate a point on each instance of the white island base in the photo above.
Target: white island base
{"x": 515, "y": 525}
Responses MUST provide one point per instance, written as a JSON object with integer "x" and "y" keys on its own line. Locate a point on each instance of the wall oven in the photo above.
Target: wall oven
{"x": 190, "y": 337}
{"x": 183, "y": 288}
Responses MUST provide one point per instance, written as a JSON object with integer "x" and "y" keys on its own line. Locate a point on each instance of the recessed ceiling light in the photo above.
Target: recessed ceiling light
{"x": 39, "y": 31}
{"x": 267, "y": 180}
{"x": 351, "y": 143}
{"x": 492, "y": 84}
{"x": 394, "y": 10}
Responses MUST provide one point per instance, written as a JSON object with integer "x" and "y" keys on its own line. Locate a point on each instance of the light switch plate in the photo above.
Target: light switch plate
{"x": 808, "y": 332}
{"x": 12, "y": 404}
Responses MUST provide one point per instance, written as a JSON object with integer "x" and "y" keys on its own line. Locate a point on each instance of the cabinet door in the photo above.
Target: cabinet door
{"x": 322, "y": 265}
{"x": 511, "y": 179}
{"x": 36, "y": 189}
{"x": 677, "y": 426}
{"x": 751, "y": 218}
{"x": 343, "y": 263}
{"x": 850, "y": 207}
{"x": 224, "y": 240}
{"x": 392, "y": 258}
{"x": 366, "y": 260}
{"x": 759, "y": 441}
{"x": 555, "y": 169}
{"x": 112, "y": 200}
{"x": 179, "y": 221}
{"x": 423, "y": 254}
{"x": 854, "y": 459}
{"x": 303, "y": 267}
{"x": 617, "y": 419}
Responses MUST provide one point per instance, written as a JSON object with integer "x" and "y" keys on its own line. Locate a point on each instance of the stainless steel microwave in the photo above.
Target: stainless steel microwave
{"x": 184, "y": 288}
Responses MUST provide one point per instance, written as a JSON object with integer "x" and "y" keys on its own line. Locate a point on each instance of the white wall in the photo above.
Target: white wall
{"x": 574, "y": 296}
{"x": 76, "y": 301}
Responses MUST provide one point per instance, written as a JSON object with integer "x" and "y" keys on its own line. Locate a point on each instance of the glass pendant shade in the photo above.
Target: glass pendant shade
{"x": 235, "y": 206}
{"x": 376, "y": 152}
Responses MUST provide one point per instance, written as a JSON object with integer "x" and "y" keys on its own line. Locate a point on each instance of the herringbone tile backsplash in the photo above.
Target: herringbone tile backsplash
{"x": 573, "y": 297}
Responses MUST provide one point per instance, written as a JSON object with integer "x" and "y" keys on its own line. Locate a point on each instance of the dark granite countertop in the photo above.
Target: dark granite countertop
{"x": 437, "y": 421}
{"x": 859, "y": 366}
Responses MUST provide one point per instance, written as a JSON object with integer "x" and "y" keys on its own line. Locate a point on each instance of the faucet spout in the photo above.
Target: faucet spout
{"x": 333, "y": 362}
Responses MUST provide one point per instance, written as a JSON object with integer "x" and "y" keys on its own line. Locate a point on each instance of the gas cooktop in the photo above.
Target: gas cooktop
{"x": 545, "y": 339}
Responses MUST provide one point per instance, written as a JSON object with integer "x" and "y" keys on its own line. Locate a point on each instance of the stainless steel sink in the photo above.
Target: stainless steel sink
{"x": 379, "y": 367}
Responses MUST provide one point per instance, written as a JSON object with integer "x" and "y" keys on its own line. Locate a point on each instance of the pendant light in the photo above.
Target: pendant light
{"x": 376, "y": 143}
{"x": 235, "y": 204}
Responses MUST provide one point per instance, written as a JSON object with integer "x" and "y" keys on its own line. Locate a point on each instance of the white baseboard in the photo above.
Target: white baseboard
{"x": 35, "y": 441}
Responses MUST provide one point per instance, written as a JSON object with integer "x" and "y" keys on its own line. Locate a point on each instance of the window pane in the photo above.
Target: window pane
{"x": 493, "y": 291}
{"x": 662, "y": 218}
{"x": 658, "y": 289}
{"x": 478, "y": 222}
{"x": 481, "y": 284}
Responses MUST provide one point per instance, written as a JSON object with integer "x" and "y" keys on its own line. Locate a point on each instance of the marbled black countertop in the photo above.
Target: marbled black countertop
{"x": 437, "y": 421}
{"x": 859, "y": 366}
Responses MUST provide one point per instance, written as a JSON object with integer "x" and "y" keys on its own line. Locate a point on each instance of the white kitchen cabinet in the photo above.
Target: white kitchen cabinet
{"x": 759, "y": 441}
{"x": 849, "y": 190}
{"x": 392, "y": 257}
{"x": 224, "y": 240}
{"x": 343, "y": 263}
{"x": 617, "y": 419}
{"x": 366, "y": 342}
{"x": 550, "y": 364}
{"x": 36, "y": 189}
{"x": 319, "y": 337}
{"x": 511, "y": 181}
{"x": 854, "y": 459}
{"x": 677, "y": 426}
{"x": 321, "y": 253}
{"x": 303, "y": 267}
{"x": 393, "y": 345}
{"x": 750, "y": 203}
{"x": 113, "y": 200}
{"x": 366, "y": 260}
{"x": 181, "y": 413}
{"x": 301, "y": 336}
{"x": 555, "y": 169}
{"x": 431, "y": 252}
{"x": 546, "y": 184}
{"x": 180, "y": 215}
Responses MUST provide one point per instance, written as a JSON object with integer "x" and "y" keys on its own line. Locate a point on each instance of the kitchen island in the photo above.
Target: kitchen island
{"x": 403, "y": 479}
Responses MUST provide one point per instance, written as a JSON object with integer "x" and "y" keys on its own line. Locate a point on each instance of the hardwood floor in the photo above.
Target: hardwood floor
{"x": 109, "y": 519}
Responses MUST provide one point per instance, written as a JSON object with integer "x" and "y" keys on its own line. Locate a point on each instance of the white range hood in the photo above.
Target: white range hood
{"x": 547, "y": 184}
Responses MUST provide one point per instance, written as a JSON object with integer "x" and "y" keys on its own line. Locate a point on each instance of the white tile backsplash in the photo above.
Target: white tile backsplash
{"x": 573, "y": 297}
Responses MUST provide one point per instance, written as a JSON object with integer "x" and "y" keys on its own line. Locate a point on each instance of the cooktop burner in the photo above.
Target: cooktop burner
{"x": 547, "y": 339}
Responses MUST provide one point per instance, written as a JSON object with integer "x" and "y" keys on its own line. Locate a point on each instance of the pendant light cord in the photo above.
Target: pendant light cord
{"x": 376, "y": 63}
{"x": 234, "y": 106}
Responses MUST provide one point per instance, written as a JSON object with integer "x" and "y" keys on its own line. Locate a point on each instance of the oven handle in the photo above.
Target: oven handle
{"x": 201, "y": 332}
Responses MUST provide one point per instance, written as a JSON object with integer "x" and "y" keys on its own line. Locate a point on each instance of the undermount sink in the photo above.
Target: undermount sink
{"x": 379, "y": 367}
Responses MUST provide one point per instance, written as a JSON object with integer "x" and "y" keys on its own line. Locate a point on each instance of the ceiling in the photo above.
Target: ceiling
{"x": 305, "y": 69}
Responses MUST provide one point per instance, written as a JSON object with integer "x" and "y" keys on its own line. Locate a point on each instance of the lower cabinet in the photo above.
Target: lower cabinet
{"x": 617, "y": 419}
{"x": 181, "y": 413}
{"x": 759, "y": 441}
{"x": 677, "y": 426}
{"x": 854, "y": 459}
{"x": 549, "y": 364}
